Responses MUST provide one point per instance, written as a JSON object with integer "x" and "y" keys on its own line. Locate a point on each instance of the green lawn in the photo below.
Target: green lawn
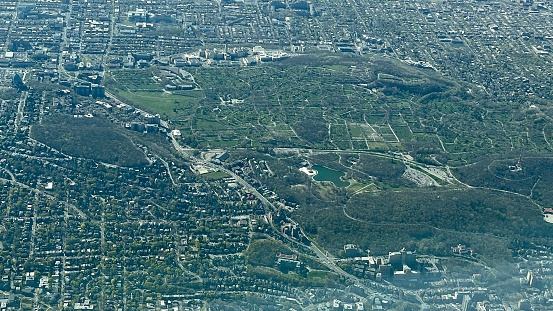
{"x": 164, "y": 103}
{"x": 214, "y": 175}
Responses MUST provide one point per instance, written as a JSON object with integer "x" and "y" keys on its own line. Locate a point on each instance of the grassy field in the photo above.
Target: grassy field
{"x": 145, "y": 88}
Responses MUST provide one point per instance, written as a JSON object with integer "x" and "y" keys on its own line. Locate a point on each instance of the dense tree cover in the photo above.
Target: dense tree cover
{"x": 428, "y": 220}
{"x": 93, "y": 138}
{"x": 312, "y": 130}
{"x": 527, "y": 175}
{"x": 264, "y": 252}
{"x": 405, "y": 78}
{"x": 431, "y": 221}
{"x": 387, "y": 171}
{"x": 471, "y": 210}
{"x": 335, "y": 230}
{"x": 18, "y": 83}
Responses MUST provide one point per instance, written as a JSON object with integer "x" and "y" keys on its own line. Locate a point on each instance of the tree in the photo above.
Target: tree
{"x": 17, "y": 83}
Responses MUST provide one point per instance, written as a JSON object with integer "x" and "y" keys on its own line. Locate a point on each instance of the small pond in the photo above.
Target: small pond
{"x": 326, "y": 174}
